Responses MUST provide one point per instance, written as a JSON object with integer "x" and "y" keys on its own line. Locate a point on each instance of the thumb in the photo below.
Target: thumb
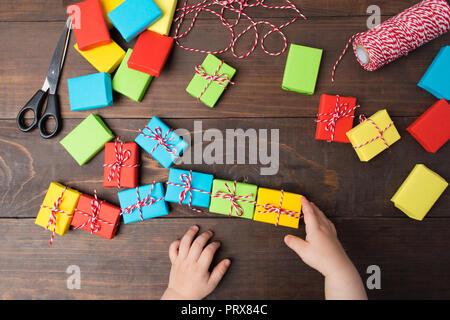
{"x": 296, "y": 244}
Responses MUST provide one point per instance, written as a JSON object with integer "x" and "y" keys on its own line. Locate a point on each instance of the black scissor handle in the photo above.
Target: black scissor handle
{"x": 51, "y": 111}
{"x": 35, "y": 104}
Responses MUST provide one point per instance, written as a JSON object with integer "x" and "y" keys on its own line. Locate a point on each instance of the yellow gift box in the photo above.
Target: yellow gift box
{"x": 373, "y": 135}
{"x": 269, "y": 200}
{"x": 108, "y": 6}
{"x": 162, "y": 26}
{"x": 104, "y": 58}
{"x": 68, "y": 203}
{"x": 419, "y": 192}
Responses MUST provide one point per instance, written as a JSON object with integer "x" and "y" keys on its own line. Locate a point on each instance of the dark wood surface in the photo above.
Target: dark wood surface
{"x": 135, "y": 264}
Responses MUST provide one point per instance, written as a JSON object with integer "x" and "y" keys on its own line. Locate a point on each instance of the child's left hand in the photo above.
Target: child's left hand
{"x": 189, "y": 276}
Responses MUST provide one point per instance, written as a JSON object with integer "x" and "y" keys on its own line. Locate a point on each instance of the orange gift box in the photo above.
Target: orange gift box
{"x": 103, "y": 222}
{"x": 121, "y": 165}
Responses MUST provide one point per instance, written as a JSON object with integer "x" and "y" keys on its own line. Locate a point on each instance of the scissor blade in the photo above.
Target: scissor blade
{"x": 58, "y": 58}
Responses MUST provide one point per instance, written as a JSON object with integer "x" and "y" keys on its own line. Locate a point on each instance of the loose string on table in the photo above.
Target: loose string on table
{"x": 122, "y": 155}
{"x": 222, "y": 79}
{"x": 238, "y": 8}
{"x": 380, "y": 135}
{"x": 147, "y": 201}
{"x": 53, "y": 211}
{"x": 161, "y": 140}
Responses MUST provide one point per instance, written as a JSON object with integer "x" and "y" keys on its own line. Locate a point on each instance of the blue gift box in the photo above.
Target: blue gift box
{"x": 134, "y": 16}
{"x": 90, "y": 92}
{"x": 174, "y": 142}
{"x": 128, "y": 198}
{"x": 199, "y": 181}
{"x": 436, "y": 79}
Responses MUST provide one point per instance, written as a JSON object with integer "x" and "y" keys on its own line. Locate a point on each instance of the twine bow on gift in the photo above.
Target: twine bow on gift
{"x": 341, "y": 110}
{"x": 162, "y": 140}
{"x": 93, "y": 219}
{"x": 147, "y": 201}
{"x": 234, "y": 199}
{"x": 53, "y": 211}
{"x": 362, "y": 118}
{"x": 122, "y": 156}
{"x": 221, "y": 79}
{"x": 270, "y": 208}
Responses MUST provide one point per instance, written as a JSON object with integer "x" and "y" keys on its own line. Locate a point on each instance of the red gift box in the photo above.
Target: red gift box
{"x": 121, "y": 164}
{"x": 335, "y": 118}
{"x": 89, "y": 24}
{"x": 96, "y": 216}
{"x": 432, "y": 129}
{"x": 150, "y": 53}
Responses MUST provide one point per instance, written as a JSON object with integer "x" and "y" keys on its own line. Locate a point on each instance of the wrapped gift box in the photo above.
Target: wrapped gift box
{"x": 161, "y": 142}
{"x": 121, "y": 165}
{"x": 150, "y": 53}
{"x": 108, "y": 6}
{"x": 105, "y": 58}
{"x": 209, "y": 91}
{"x": 162, "y": 26}
{"x": 90, "y": 30}
{"x": 436, "y": 78}
{"x": 151, "y": 199}
{"x": 90, "y": 92}
{"x": 419, "y": 192}
{"x": 103, "y": 222}
{"x": 302, "y": 69}
{"x": 335, "y": 118}
{"x": 134, "y": 16}
{"x": 67, "y": 204}
{"x": 222, "y": 193}
{"x": 197, "y": 185}
{"x": 131, "y": 83}
{"x": 87, "y": 139}
{"x": 432, "y": 129}
{"x": 268, "y": 202}
{"x": 373, "y": 135}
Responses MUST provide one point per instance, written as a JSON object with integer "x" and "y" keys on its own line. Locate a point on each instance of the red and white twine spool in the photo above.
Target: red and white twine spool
{"x": 399, "y": 35}
{"x": 239, "y": 9}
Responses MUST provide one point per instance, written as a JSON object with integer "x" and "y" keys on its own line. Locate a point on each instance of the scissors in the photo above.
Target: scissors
{"x": 50, "y": 84}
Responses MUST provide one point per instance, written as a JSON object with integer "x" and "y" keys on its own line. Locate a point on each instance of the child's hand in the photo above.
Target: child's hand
{"x": 189, "y": 276}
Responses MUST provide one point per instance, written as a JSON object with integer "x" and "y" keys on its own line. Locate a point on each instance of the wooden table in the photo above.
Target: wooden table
{"x": 413, "y": 256}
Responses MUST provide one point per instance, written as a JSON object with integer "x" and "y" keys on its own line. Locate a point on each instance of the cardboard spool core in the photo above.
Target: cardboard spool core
{"x": 362, "y": 54}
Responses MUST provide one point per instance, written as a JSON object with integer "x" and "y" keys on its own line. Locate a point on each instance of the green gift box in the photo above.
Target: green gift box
{"x": 302, "y": 68}
{"x": 129, "y": 82}
{"x": 87, "y": 139}
{"x": 206, "y": 90}
{"x": 244, "y": 195}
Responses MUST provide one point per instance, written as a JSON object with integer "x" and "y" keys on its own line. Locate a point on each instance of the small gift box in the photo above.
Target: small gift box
{"x": 57, "y": 210}
{"x": 302, "y": 69}
{"x": 436, "y": 78}
{"x": 373, "y": 135}
{"x": 162, "y": 26}
{"x": 150, "y": 53}
{"x": 131, "y": 83}
{"x": 96, "y": 216}
{"x": 121, "y": 164}
{"x": 278, "y": 207}
{"x": 87, "y": 139}
{"x": 189, "y": 188}
{"x": 233, "y": 198}
{"x": 90, "y": 28}
{"x": 134, "y": 16}
{"x": 335, "y": 118}
{"x": 417, "y": 195}
{"x": 90, "y": 92}
{"x": 142, "y": 203}
{"x": 210, "y": 80}
{"x": 432, "y": 129}
{"x": 161, "y": 142}
{"x": 105, "y": 58}
{"x": 108, "y": 6}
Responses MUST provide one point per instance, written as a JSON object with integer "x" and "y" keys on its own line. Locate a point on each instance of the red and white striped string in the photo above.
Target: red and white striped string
{"x": 222, "y": 79}
{"x": 234, "y": 199}
{"x": 147, "y": 201}
{"x": 162, "y": 140}
{"x": 401, "y": 34}
{"x": 341, "y": 110}
{"x": 362, "y": 118}
{"x": 53, "y": 211}
{"x": 122, "y": 155}
{"x": 270, "y": 208}
{"x": 238, "y": 8}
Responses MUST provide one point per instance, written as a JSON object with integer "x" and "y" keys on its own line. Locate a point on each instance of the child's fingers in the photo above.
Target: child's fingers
{"x": 198, "y": 245}
{"x": 295, "y": 243}
{"x": 218, "y": 273}
{"x": 309, "y": 216}
{"x": 173, "y": 250}
{"x": 186, "y": 241}
{"x": 208, "y": 253}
